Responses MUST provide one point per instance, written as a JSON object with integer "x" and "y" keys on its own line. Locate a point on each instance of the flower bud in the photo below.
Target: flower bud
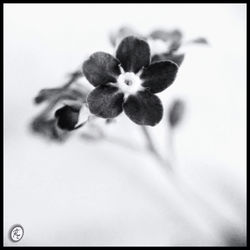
{"x": 176, "y": 113}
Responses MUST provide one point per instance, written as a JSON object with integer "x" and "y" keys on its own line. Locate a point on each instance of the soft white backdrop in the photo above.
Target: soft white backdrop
{"x": 82, "y": 193}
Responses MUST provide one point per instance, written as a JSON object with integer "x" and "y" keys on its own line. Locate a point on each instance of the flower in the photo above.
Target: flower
{"x": 173, "y": 39}
{"x": 128, "y": 82}
{"x": 165, "y": 46}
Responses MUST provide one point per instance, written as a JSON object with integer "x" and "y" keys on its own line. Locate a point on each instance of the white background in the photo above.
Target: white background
{"x": 83, "y": 193}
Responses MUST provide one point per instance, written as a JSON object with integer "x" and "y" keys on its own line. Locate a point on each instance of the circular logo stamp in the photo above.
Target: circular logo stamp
{"x": 16, "y": 233}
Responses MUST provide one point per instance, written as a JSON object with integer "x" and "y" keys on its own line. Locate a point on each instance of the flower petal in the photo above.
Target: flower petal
{"x": 67, "y": 117}
{"x": 133, "y": 54}
{"x": 144, "y": 108}
{"x": 101, "y": 68}
{"x": 158, "y": 76}
{"x": 176, "y": 58}
{"x": 105, "y": 101}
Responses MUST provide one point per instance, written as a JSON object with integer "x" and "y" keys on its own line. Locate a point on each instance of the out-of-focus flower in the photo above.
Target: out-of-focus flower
{"x": 128, "y": 82}
{"x": 165, "y": 45}
{"x": 171, "y": 39}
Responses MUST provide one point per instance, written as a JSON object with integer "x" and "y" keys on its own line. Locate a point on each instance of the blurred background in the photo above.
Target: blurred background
{"x": 106, "y": 193}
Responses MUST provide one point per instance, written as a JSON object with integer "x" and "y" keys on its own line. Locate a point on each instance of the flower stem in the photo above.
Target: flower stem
{"x": 73, "y": 77}
{"x": 153, "y": 150}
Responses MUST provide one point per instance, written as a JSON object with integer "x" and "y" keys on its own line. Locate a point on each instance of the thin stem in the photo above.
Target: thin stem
{"x": 170, "y": 145}
{"x": 153, "y": 150}
{"x": 74, "y": 76}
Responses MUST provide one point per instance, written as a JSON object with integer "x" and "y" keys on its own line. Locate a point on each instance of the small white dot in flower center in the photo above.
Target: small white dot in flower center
{"x": 129, "y": 83}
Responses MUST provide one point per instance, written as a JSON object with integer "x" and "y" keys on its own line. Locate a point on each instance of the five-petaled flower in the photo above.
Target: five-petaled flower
{"x": 128, "y": 82}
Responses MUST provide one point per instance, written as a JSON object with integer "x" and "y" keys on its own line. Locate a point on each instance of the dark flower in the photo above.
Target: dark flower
{"x": 128, "y": 82}
{"x": 68, "y": 117}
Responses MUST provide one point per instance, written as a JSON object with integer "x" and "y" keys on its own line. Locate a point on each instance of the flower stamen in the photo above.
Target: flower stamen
{"x": 129, "y": 83}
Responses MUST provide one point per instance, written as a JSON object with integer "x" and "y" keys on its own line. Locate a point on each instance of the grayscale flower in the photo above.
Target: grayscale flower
{"x": 128, "y": 82}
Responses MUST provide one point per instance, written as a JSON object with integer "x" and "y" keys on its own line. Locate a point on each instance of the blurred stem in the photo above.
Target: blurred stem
{"x": 74, "y": 76}
{"x": 170, "y": 144}
{"x": 153, "y": 150}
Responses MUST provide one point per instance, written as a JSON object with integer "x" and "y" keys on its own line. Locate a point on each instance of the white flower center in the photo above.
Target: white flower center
{"x": 157, "y": 46}
{"x": 129, "y": 83}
